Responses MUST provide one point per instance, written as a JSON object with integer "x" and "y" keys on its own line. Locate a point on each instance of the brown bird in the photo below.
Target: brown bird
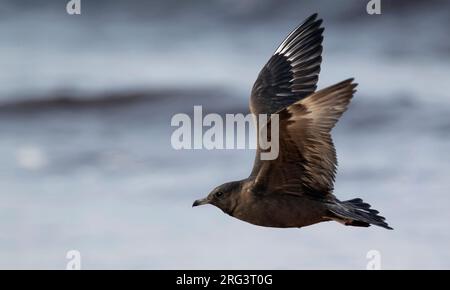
{"x": 296, "y": 188}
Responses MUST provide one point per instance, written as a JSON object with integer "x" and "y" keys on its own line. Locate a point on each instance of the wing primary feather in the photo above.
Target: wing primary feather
{"x": 292, "y": 72}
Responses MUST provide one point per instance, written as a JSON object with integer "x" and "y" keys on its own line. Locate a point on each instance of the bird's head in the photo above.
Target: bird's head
{"x": 224, "y": 197}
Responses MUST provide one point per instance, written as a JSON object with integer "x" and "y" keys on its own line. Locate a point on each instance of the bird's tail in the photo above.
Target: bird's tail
{"x": 357, "y": 213}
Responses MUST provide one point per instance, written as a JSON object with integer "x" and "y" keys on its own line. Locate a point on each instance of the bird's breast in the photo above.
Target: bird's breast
{"x": 281, "y": 211}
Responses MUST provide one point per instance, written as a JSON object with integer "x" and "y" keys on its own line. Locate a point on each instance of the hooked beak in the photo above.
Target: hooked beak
{"x": 200, "y": 202}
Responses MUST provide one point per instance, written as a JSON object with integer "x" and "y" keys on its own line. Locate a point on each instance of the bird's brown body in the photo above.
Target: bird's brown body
{"x": 280, "y": 211}
{"x": 296, "y": 188}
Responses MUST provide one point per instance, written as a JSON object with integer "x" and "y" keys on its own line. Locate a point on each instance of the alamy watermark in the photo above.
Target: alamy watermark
{"x": 374, "y": 258}
{"x": 373, "y": 7}
{"x": 228, "y": 133}
{"x": 73, "y": 7}
{"x": 74, "y": 258}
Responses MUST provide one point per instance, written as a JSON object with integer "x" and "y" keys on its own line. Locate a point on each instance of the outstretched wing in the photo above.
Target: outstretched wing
{"x": 306, "y": 163}
{"x": 292, "y": 72}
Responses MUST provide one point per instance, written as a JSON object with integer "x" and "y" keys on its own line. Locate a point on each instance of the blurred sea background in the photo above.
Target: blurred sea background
{"x": 86, "y": 160}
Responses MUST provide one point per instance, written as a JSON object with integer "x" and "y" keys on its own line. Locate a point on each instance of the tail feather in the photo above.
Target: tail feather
{"x": 356, "y": 212}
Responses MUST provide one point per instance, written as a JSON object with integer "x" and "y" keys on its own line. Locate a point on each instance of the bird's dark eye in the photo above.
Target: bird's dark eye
{"x": 219, "y": 193}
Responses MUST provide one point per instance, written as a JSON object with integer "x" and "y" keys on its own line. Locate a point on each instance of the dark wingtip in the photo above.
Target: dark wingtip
{"x": 311, "y": 20}
{"x": 349, "y": 82}
{"x": 312, "y": 16}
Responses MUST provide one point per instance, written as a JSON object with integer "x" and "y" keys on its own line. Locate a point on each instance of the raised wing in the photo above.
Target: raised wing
{"x": 306, "y": 163}
{"x": 292, "y": 72}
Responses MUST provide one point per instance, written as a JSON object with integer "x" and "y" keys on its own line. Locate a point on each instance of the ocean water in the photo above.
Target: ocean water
{"x": 86, "y": 160}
